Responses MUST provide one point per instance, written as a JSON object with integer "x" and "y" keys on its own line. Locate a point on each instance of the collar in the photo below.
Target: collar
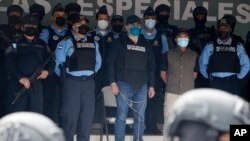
{"x": 98, "y": 32}
{"x": 77, "y": 38}
{"x": 55, "y": 29}
{"x": 228, "y": 42}
{"x": 147, "y": 36}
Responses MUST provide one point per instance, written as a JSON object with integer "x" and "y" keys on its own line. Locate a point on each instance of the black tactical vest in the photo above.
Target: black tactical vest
{"x": 224, "y": 58}
{"x": 157, "y": 49}
{"x": 83, "y": 57}
{"x": 54, "y": 39}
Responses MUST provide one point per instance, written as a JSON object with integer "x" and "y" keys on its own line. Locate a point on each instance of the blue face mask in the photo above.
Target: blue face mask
{"x": 135, "y": 30}
{"x": 150, "y": 23}
{"x": 182, "y": 42}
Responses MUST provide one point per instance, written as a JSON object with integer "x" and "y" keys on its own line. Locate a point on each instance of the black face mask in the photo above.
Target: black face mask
{"x": 163, "y": 19}
{"x": 200, "y": 23}
{"x": 30, "y": 31}
{"x": 224, "y": 35}
{"x": 117, "y": 28}
{"x": 83, "y": 29}
{"x": 60, "y": 21}
{"x": 13, "y": 20}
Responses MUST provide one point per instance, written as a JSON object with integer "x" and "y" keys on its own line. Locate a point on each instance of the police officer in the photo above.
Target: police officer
{"x": 199, "y": 115}
{"x": 38, "y": 11}
{"x": 52, "y": 35}
{"x": 200, "y": 35}
{"x": 224, "y": 61}
{"x": 8, "y": 32}
{"x": 25, "y": 58}
{"x": 232, "y": 19}
{"x": 158, "y": 41}
{"x": 247, "y": 47}
{"x": 163, "y": 12}
{"x": 71, "y": 8}
{"x": 130, "y": 69}
{"x": 103, "y": 36}
{"x": 117, "y": 24}
{"x": 29, "y": 126}
{"x": 81, "y": 58}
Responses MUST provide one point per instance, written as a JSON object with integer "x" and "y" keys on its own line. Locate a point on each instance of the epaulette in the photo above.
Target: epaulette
{"x": 66, "y": 38}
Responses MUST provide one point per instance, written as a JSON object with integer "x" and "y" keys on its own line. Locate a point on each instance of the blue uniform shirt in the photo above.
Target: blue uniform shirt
{"x": 45, "y": 33}
{"x": 208, "y": 51}
{"x": 65, "y": 48}
{"x": 99, "y": 32}
{"x": 152, "y": 36}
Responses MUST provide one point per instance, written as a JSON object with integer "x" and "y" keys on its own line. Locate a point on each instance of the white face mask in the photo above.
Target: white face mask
{"x": 102, "y": 24}
{"x": 150, "y": 23}
{"x": 182, "y": 42}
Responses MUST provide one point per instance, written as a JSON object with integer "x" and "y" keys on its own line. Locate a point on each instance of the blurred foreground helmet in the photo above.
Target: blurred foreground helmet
{"x": 26, "y": 126}
{"x": 206, "y": 113}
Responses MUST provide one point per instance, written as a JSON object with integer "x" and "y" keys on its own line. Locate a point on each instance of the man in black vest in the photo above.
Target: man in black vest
{"x": 52, "y": 35}
{"x": 163, "y": 13}
{"x": 158, "y": 42}
{"x": 131, "y": 76}
{"x": 23, "y": 59}
{"x": 104, "y": 37}
{"x": 200, "y": 35}
{"x": 224, "y": 61}
{"x": 80, "y": 57}
{"x": 10, "y": 32}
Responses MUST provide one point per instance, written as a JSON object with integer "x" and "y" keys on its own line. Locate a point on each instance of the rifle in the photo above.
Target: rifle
{"x": 32, "y": 78}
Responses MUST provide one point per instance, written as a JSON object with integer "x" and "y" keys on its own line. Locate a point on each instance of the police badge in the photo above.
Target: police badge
{"x": 109, "y": 39}
{"x": 155, "y": 43}
{"x": 55, "y": 37}
{"x": 97, "y": 38}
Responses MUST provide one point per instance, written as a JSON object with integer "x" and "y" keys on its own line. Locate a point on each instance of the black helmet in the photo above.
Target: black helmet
{"x": 15, "y": 8}
{"x": 200, "y": 10}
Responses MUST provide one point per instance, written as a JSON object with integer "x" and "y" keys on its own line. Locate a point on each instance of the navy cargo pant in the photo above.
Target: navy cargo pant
{"x": 77, "y": 108}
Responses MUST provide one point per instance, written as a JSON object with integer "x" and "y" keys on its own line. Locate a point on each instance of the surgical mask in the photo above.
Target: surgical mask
{"x": 60, "y": 21}
{"x": 102, "y": 24}
{"x": 30, "y": 31}
{"x": 224, "y": 35}
{"x": 150, "y": 23}
{"x": 182, "y": 42}
{"x": 135, "y": 30}
{"x": 83, "y": 29}
{"x": 117, "y": 28}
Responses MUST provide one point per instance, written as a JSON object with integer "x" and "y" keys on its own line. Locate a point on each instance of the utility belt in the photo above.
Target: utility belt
{"x": 232, "y": 77}
{"x": 80, "y": 78}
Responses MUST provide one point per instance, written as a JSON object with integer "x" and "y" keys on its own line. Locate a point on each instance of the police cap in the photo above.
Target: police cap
{"x": 72, "y": 8}
{"x": 75, "y": 18}
{"x": 58, "y": 7}
{"x": 161, "y": 8}
{"x": 15, "y": 8}
{"x": 181, "y": 30}
{"x": 223, "y": 22}
{"x": 132, "y": 19}
{"x": 149, "y": 12}
{"x": 38, "y": 9}
{"x": 102, "y": 10}
{"x": 28, "y": 19}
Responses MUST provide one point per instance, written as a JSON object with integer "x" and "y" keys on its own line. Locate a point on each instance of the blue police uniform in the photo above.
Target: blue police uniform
{"x": 225, "y": 63}
{"x": 52, "y": 37}
{"x": 159, "y": 44}
{"x": 81, "y": 59}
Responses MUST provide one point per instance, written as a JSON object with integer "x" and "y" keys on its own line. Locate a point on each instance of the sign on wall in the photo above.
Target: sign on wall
{"x": 181, "y": 10}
